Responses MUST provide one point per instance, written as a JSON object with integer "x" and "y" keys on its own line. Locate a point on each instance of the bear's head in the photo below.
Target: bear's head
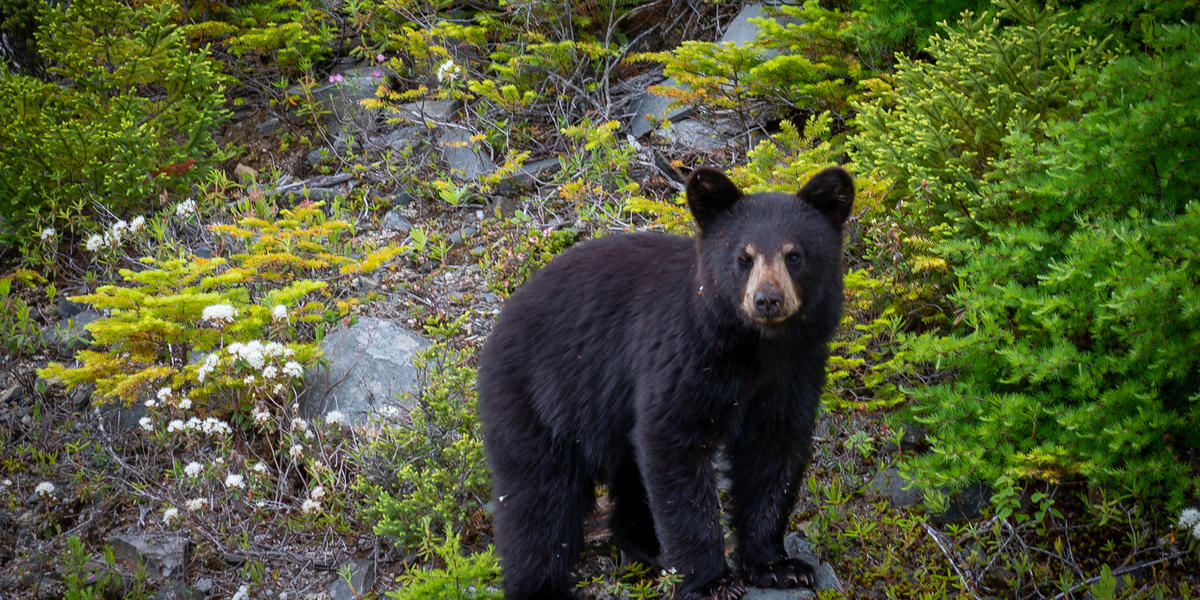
{"x": 774, "y": 257}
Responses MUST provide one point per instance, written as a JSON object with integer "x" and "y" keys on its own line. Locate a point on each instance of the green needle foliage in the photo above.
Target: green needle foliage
{"x": 129, "y": 115}
{"x": 1076, "y": 289}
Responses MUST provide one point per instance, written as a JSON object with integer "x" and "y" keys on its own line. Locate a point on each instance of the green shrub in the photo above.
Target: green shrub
{"x": 281, "y": 37}
{"x": 428, "y": 472}
{"x": 473, "y": 576}
{"x": 128, "y": 118}
{"x": 1078, "y": 299}
{"x": 801, "y": 60}
{"x": 938, "y": 131}
{"x": 906, "y": 25}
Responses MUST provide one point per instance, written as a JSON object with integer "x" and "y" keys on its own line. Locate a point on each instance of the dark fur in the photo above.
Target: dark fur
{"x": 628, "y": 360}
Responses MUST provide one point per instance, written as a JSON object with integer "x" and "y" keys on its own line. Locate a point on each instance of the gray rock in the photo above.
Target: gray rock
{"x": 402, "y": 198}
{"x": 823, "y": 576}
{"x": 393, "y": 221}
{"x": 965, "y": 504}
{"x": 654, "y": 109}
{"x": 73, "y": 334}
{"x": 203, "y": 585}
{"x": 695, "y": 135}
{"x": 430, "y": 110}
{"x": 165, "y": 558}
{"x": 460, "y": 153}
{"x": 462, "y": 234}
{"x": 11, "y": 394}
{"x": 890, "y": 484}
{"x": 68, "y": 309}
{"x": 369, "y": 365}
{"x": 400, "y": 140}
{"x": 772, "y": 594}
{"x": 343, "y": 99}
{"x": 362, "y": 579}
{"x": 530, "y": 173}
{"x": 914, "y": 436}
{"x": 342, "y": 146}
{"x": 119, "y": 418}
{"x": 269, "y": 126}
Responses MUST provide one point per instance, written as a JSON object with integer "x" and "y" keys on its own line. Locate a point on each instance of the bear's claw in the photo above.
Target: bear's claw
{"x": 726, "y": 587}
{"x": 789, "y": 573}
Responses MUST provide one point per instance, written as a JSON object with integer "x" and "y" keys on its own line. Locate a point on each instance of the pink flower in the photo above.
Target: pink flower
{"x": 380, "y": 57}
{"x": 336, "y": 78}
{"x": 377, "y": 73}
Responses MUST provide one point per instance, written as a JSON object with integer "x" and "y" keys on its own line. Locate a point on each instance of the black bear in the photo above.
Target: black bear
{"x": 631, "y": 359}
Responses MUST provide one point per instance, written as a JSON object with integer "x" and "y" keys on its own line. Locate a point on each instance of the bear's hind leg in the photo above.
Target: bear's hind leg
{"x": 542, "y": 497}
{"x": 631, "y": 521}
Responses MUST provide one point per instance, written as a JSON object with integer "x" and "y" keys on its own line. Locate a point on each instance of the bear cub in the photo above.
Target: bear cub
{"x": 630, "y": 360}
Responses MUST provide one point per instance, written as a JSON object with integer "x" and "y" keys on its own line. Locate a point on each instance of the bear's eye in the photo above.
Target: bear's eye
{"x": 745, "y": 261}
{"x": 794, "y": 259}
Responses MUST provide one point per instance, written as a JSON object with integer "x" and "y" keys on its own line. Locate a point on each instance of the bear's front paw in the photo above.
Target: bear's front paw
{"x": 726, "y": 587}
{"x": 788, "y": 573}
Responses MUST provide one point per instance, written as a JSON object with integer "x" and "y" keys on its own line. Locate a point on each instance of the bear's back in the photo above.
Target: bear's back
{"x": 566, "y": 342}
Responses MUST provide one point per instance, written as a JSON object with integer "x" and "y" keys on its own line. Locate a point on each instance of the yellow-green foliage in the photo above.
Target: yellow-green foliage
{"x": 157, "y": 329}
{"x": 283, "y": 35}
{"x": 802, "y": 58}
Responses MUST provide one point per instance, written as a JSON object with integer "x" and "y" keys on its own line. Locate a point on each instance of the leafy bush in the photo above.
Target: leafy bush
{"x": 906, "y": 25}
{"x": 802, "y": 59}
{"x": 279, "y": 36}
{"x": 461, "y": 577}
{"x": 942, "y": 124}
{"x": 1078, "y": 298}
{"x": 428, "y": 473}
{"x": 129, "y": 117}
{"x": 174, "y": 308}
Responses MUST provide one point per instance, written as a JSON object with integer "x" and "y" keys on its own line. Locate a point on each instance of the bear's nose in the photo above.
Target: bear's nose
{"x": 768, "y": 303}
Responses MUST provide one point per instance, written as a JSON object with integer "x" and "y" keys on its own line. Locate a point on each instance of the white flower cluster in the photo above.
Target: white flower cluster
{"x": 43, "y": 489}
{"x": 170, "y": 515}
{"x": 1189, "y": 520}
{"x": 185, "y": 208}
{"x": 112, "y": 237}
{"x": 256, "y": 353}
{"x": 312, "y": 504}
{"x": 293, "y": 369}
{"x": 48, "y": 233}
{"x": 279, "y": 313}
{"x": 448, "y": 70}
{"x": 260, "y": 416}
{"x": 195, "y": 504}
{"x": 235, "y": 480}
{"x": 335, "y": 417}
{"x": 210, "y": 362}
{"x": 211, "y": 426}
{"x": 193, "y": 469}
{"x": 223, "y": 313}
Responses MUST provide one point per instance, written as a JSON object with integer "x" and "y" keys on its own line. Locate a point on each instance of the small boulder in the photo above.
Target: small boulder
{"x": 369, "y": 365}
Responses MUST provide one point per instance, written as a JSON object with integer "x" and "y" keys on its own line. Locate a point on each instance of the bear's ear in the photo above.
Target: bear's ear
{"x": 710, "y": 193}
{"x": 832, "y": 192}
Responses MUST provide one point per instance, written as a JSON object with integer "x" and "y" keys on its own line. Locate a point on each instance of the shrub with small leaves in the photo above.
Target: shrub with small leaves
{"x": 129, "y": 116}
{"x": 1078, "y": 311}
{"x": 427, "y": 471}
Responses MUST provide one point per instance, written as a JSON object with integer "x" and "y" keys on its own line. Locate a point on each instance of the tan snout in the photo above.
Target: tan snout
{"x": 770, "y": 295}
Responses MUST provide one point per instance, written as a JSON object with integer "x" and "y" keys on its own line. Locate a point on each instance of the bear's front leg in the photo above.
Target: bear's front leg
{"x": 768, "y": 462}
{"x": 682, "y": 494}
